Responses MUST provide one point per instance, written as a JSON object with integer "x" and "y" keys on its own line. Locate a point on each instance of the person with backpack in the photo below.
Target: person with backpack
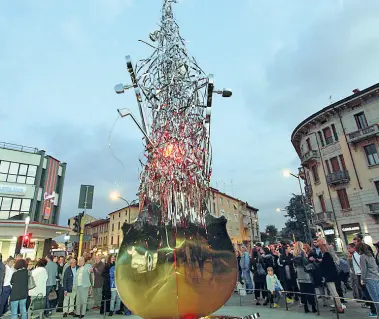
{"x": 259, "y": 275}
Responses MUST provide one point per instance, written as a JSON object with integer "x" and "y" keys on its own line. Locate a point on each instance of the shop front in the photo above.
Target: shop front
{"x": 350, "y": 231}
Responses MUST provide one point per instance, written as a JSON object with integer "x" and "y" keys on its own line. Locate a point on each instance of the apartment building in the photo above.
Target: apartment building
{"x": 242, "y": 225}
{"x": 116, "y": 220}
{"x": 338, "y": 149}
{"x": 96, "y": 234}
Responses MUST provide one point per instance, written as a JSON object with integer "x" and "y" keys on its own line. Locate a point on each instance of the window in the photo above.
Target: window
{"x": 361, "y": 121}
{"x": 344, "y": 200}
{"x": 372, "y": 154}
{"x": 118, "y": 225}
{"x": 377, "y": 186}
{"x": 11, "y": 207}
{"x": 320, "y": 138}
{"x": 227, "y": 202}
{"x": 328, "y": 135}
{"x": 316, "y": 178}
{"x": 328, "y": 167}
{"x": 221, "y": 200}
{"x": 322, "y": 203}
{"x": 17, "y": 173}
{"x": 112, "y": 227}
{"x": 309, "y": 144}
{"x": 119, "y": 214}
{"x": 342, "y": 160}
{"x": 112, "y": 240}
{"x": 236, "y": 218}
{"x": 335, "y": 164}
{"x": 334, "y": 132}
{"x": 118, "y": 240}
{"x": 222, "y": 212}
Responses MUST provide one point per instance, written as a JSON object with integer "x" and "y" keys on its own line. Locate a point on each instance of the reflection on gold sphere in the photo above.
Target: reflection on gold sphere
{"x": 175, "y": 272}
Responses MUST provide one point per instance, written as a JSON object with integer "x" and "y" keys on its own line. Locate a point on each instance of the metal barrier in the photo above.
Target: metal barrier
{"x": 40, "y": 313}
{"x": 316, "y": 296}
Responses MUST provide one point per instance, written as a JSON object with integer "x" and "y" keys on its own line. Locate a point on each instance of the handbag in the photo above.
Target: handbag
{"x": 31, "y": 281}
{"x": 38, "y": 303}
{"x": 52, "y": 295}
{"x": 308, "y": 267}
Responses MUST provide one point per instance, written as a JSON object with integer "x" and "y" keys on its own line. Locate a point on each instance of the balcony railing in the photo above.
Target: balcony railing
{"x": 336, "y": 178}
{"x": 321, "y": 218}
{"x": 20, "y": 148}
{"x": 374, "y": 208}
{"x": 309, "y": 157}
{"x": 363, "y": 134}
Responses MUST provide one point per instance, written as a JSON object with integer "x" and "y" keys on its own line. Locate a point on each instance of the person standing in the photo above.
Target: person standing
{"x": 98, "y": 282}
{"x": 69, "y": 291}
{"x": 52, "y": 273}
{"x": 4, "y": 305}
{"x": 2, "y": 274}
{"x": 330, "y": 273}
{"x": 106, "y": 292}
{"x": 40, "y": 276}
{"x": 245, "y": 266}
{"x": 304, "y": 278}
{"x": 19, "y": 293}
{"x": 60, "y": 295}
{"x": 83, "y": 284}
{"x": 369, "y": 274}
{"x": 115, "y": 297}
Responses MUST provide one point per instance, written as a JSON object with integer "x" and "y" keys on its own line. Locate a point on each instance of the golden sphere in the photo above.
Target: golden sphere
{"x": 185, "y": 271}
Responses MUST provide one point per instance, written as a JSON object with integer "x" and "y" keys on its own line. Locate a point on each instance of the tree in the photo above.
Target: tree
{"x": 296, "y": 225}
{"x": 271, "y": 232}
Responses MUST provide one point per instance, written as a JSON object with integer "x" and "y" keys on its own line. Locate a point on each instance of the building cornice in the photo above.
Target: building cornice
{"x": 349, "y": 101}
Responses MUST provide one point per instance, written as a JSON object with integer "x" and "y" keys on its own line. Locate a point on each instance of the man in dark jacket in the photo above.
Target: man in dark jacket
{"x": 69, "y": 289}
{"x": 2, "y": 273}
{"x": 98, "y": 269}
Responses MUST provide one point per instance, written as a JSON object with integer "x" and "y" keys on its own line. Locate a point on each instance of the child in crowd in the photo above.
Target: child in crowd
{"x": 274, "y": 286}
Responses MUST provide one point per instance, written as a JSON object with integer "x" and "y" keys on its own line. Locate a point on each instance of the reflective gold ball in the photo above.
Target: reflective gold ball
{"x": 185, "y": 271}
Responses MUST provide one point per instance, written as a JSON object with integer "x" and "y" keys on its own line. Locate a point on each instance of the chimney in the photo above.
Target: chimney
{"x": 355, "y": 91}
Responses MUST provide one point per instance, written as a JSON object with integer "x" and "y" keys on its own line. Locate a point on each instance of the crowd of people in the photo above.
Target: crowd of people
{"x": 58, "y": 284}
{"x": 300, "y": 270}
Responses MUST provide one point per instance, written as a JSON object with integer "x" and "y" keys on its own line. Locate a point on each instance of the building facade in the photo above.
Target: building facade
{"x": 116, "y": 220}
{"x": 31, "y": 187}
{"x": 97, "y": 234}
{"x": 242, "y": 225}
{"x": 338, "y": 149}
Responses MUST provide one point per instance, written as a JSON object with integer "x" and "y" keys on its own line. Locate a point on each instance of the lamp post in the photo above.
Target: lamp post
{"x": 287, "y": 173}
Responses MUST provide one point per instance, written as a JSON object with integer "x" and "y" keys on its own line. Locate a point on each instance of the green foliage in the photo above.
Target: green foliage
{"x": 271, "y": 233}
{"x": 296, "y": 224}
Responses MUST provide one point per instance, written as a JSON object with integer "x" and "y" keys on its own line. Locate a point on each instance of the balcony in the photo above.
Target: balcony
{"x": 365, "y": 133}
{"x": 341, "y": 177}
{"x": 323, "y": 218}
{"x": 309, "y": 156}
{"x": 374, "y": 208}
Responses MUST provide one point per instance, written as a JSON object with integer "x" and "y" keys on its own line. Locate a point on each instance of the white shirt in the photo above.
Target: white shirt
{"x": 40, "y": 278}
{"x": 357, "y": 263}
{"x": 8, "y": 276}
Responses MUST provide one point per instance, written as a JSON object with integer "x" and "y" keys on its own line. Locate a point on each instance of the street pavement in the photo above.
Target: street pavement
{"x": 243, "y": 306}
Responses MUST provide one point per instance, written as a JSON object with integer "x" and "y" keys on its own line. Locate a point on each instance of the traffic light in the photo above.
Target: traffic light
{"x": 26, "y": 240}
{"x": 76, "y": 227}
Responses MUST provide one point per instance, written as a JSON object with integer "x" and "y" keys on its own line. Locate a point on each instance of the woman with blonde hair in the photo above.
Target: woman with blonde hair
{"x": 329, "y": 271}
{"x": 304, "y": 277}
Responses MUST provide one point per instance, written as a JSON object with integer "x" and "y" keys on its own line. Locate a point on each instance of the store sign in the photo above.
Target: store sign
{"x": 329, "y": 231}
{"x": 12, "y": 190}
{"x": 350, "y": 227}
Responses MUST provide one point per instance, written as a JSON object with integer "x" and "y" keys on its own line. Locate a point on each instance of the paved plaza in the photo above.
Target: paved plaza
{"x": 243, "y": 306}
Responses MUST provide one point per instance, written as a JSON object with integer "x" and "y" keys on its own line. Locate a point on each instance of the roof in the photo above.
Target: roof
{"x": 136, "y": 205}
{"x": 97, "y": 222}
{"x": 233, "y": 198}
{"x": 335, "y": 105}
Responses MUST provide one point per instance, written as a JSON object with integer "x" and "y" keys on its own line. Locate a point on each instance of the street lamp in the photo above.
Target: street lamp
{"x": 288, "y": 173}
